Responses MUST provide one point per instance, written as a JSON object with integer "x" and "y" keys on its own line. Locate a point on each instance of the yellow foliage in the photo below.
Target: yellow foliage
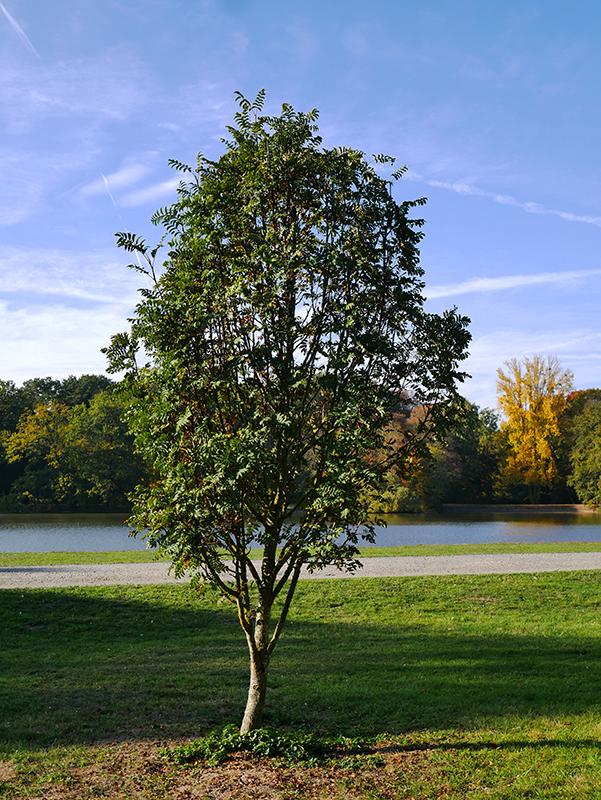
{"x": 41, "y": 433}
{"x": 532, "y": 397}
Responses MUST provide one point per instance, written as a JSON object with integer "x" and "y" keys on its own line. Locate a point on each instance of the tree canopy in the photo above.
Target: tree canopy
{"x": 267, "y": 357}
{"x": 64, "y": 446}
{"x": 586, "y": 450}
{"x": 532, "y": 397}
{"x": 70, "y": 458}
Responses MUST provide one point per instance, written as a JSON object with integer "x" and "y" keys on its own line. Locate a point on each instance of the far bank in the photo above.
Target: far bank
{"x": 518, "y": 508}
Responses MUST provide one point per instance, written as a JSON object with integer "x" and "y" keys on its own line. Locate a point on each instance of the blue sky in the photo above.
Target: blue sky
{"x": 495, "y": 107}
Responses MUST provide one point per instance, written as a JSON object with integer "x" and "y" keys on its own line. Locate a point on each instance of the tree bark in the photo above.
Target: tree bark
{"x": 258, "y": 647}
{"x": 253, "y": 715}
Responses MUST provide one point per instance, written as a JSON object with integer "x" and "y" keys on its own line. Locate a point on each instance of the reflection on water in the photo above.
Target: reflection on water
{"x": 96, "y": 532}
{"x": 481, "y": 527}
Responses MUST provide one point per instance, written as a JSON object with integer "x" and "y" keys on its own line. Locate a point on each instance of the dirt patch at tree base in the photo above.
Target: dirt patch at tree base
{"x": 140, "y": 771}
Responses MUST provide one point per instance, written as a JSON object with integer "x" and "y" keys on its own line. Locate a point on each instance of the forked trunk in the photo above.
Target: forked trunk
{"x": 253, "y": 715}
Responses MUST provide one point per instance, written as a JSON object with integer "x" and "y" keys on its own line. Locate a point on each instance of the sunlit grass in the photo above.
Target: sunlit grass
{"x": 75, "y": 557}
{"x": 142, "y": 556}
{"x": 478, "y": 686}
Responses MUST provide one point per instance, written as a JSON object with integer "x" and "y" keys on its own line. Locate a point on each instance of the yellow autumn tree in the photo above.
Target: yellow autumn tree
{"x": 532, "y": 397}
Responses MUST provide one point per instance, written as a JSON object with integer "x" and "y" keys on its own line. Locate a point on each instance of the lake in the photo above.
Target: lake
{"x": 98, "y": 532}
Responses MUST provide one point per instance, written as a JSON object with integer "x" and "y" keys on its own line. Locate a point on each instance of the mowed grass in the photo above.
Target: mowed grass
{"x": 141, "y": 556}
{"x": 474, "y": 686}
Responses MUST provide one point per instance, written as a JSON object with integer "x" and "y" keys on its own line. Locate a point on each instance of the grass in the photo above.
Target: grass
{"x": 75, "y": 557}
{"x": 470, "y": 686}
{"x": 141, "y": 556}
{"x": 484, "y": 547}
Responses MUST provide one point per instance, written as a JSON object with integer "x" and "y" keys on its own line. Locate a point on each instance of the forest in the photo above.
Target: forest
{"x": 65, "y": 446}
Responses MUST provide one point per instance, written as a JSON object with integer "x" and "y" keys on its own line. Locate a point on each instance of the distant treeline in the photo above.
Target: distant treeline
{"x": 64, "y": 446}
{"x": 545, "y": 449}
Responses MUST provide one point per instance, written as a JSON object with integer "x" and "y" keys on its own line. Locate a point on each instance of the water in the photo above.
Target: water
{"x": 490, "y": 527}
{"x": 41, "y": 533}
{"x": 97, "y": 532}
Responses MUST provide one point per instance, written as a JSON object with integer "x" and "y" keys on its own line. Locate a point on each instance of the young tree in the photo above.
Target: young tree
{"x": 532, "y": 397}
{"x": 283, "y": 328}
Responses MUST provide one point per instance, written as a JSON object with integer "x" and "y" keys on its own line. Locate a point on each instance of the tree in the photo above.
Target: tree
{"x": 100, "y": 458}
{"x": 16, "y": 400}
{"x": 281, "y": 332}
{"x": 73, "y": 459}
{"x": 532, "y": 397}
{"x": 464, "y": 467}
{"x": 12, "y": 405}
{"x": 586, "y": 449}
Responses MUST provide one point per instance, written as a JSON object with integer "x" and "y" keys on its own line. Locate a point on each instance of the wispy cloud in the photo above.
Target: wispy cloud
{"x": 21, "y": 188}
{"x": 55, "y": 340}
{"x": 128, "y": 174}
{"x": 152, "y": 193}
{"x": 507, "y": 282}
{"x": 112, "y": 86}
{"x": 58, "y": 308}
{"x": 507, "y": 200}
{"x": 19, "y": 31}
{"x": 68, "y": 104}
{"x": 45, "y": 273}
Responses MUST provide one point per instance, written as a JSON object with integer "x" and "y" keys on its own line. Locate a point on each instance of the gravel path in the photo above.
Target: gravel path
{"x": 394, "y": 566}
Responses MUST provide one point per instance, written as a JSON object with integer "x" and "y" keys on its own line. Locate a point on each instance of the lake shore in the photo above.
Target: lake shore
{"x": 518, "y": 508}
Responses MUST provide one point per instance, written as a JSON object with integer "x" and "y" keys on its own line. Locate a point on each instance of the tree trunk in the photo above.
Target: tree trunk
{"x": 258, "y": 648}
{"x": 253, "y": 715}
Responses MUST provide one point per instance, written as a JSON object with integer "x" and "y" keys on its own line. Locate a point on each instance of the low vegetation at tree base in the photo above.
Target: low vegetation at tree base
{"x": 291, "y": 746}
{"x": 468, "y": 687}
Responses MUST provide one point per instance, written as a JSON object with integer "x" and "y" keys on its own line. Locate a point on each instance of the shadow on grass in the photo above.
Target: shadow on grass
{"x": 80, "y": 665}
{"x": 115, "y": 663}
{"x": 372, "y": 680}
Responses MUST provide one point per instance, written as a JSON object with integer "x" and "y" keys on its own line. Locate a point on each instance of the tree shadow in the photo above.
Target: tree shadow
{"x": 376, "y": 679}
{"x": 117, "y": 663}
{"x": 138, "y": 662}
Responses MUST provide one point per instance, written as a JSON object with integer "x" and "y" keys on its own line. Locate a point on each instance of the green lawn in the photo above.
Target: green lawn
{"x": 138, "y": 556}
{"x": 476, "y": 686}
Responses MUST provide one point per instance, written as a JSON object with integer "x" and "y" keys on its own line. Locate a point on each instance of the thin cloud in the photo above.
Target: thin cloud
{"x": 112, "y": 86}
{"x": 152, "y": 193}
{"x": 55, "y": 340}
{"x": 19, "y": 31}
{"x": 131, "y": 173}
{"x": 507, "y": 200}
{"x": 36, "y": 102}
{"x": 507, "y": 282}
{"x": 98, "y": 278}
